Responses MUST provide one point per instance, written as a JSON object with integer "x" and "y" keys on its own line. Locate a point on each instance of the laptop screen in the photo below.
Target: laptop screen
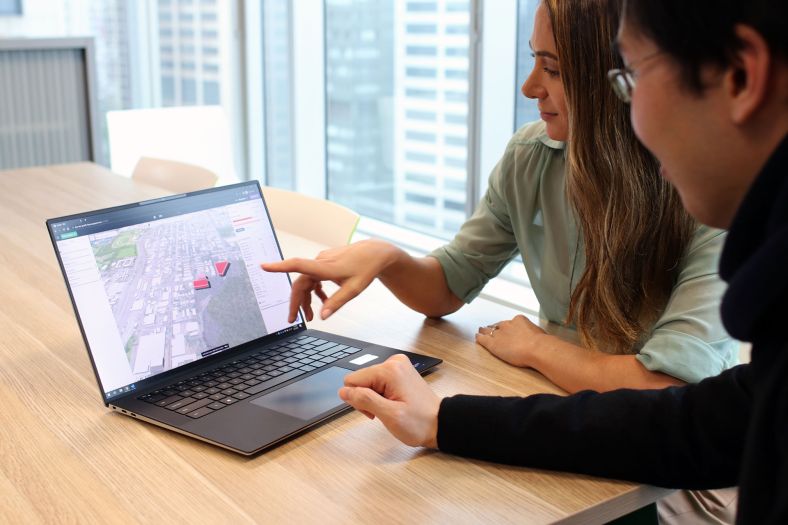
{"x": 167, "y": 282}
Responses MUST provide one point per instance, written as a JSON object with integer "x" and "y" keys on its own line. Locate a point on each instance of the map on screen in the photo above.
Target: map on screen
{"x": 178, "y": 289}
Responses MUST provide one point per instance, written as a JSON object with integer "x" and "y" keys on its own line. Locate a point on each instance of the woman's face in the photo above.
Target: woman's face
{"x": 544, "y": 82}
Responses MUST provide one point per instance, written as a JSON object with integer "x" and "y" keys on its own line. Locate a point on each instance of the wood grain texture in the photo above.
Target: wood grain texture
{"x": 64, "y": 457}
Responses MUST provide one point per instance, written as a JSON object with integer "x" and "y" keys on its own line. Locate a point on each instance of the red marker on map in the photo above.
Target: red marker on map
{"x": 201, "y": 282}
{"x": 221, "y": 267}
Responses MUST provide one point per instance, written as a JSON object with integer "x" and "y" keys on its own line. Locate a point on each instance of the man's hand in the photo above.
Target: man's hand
{"x": 395, "y": 393}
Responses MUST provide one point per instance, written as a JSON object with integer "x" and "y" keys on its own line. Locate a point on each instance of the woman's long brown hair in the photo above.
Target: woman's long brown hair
{"x": 635, "y": 230}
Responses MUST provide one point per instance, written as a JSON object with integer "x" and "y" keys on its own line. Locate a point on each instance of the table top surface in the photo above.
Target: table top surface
{"x": 64, "y": 456}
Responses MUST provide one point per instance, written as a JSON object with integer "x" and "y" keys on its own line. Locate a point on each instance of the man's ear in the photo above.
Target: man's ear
{"x": 747, "y": 78}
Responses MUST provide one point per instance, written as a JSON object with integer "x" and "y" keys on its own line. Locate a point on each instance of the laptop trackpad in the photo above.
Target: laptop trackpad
{"x": 307, "y": 398}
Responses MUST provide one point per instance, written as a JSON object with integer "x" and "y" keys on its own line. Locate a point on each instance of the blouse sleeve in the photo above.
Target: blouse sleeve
{"x": 688, "y": 341}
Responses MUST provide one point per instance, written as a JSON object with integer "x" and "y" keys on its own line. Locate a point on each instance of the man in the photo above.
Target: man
{"x": 708, "y": 85}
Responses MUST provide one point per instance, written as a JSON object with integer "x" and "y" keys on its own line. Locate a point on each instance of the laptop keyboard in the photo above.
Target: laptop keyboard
{"x": 229, "y": 383}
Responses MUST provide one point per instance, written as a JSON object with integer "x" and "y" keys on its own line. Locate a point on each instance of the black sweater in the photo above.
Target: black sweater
{"x": 724, "y": 431}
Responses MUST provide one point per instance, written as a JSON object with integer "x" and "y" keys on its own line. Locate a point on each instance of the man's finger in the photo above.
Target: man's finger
{"x": 366, "y": 400}
{"x": 376, "y": 377}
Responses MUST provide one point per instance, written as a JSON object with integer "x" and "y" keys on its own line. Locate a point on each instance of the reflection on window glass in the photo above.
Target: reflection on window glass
{"x": 385, "y": 105}
{"x": 525, "y": 109}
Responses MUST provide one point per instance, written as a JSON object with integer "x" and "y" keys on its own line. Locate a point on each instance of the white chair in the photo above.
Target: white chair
{"x": 177, "y": 177}
{"x": 318, "y": 220}
{"x": 198, "y": 135}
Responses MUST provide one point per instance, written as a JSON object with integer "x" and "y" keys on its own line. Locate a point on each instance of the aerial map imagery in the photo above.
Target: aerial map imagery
{"x": 178, "y": 288}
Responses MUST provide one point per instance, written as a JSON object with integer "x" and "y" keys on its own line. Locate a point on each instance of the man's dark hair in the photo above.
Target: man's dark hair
{"x": 697, "y": 33}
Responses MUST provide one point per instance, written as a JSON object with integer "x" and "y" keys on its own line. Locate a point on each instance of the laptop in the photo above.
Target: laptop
{"x": 185, "y": 330}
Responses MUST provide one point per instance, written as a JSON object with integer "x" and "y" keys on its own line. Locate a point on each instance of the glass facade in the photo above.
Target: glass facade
{"x": 397, "y": 110}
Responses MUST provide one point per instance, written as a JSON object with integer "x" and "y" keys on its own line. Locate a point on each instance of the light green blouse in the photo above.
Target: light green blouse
{"x": 525, "y": 210}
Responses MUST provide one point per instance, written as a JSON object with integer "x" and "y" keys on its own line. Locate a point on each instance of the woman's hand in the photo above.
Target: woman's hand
{"x": 514, "y": 341}
{"x": 352, "y": 267}
{"x": 395, "y": 393}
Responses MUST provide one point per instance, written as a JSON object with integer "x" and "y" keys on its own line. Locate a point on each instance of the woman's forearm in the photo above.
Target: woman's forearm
{"x": 419, "y": 282}
{"x": 575, "y": 368}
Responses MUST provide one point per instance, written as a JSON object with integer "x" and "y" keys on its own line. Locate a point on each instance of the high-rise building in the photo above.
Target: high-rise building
{"x": 189, "y": 47}
{"x": 360, "y": 105}
{"x": 432, "y": 114}
{"x": 397, "y": 110}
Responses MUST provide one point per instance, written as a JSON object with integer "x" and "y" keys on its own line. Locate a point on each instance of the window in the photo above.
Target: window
{"x": 393, "y": 167}
{"x": 429, "y": 51}
{"x": 428, "y": 180}
{"x": 456, "y": 96}
{"x": 455, "y": 118}
{"x": 131, "y": 71}
{"x": 417, "y": 156}
{"x": 454, "y": 205}
{"x": 413, "y": 93}
{"x": 453, "y": 140}
{"x": 277, "y": 94}
{"x": 525, "y": 110}
{"x": 454, "y": 185}
{"x": 188, "y": 91}
{"x": 420, "y": 199}
{"x": 429, "y": 116}
{"x": 457, "y": 6}
{"x": 210, "y": 91}
{"x": 421, "y": 72}
{"x": 422, "y": 6}
{"x": 421, "y": 29}
{"x": 420, "y": 136}
{"x": 10, "y": 7}
{"x": 456, "y": 74}
{"x": 454, "y": 162}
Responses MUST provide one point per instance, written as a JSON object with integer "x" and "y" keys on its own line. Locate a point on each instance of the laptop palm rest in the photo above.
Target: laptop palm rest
{"x": 309, "y": 397}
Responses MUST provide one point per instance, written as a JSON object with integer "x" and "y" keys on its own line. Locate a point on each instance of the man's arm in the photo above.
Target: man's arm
{"x": 689, "y": 437}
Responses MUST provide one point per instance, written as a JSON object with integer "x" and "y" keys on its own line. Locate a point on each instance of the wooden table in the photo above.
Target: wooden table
{"x": 65, "y": 457}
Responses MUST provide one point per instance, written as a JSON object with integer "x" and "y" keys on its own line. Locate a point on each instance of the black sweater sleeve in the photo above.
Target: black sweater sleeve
{"x": 689, "y": 437}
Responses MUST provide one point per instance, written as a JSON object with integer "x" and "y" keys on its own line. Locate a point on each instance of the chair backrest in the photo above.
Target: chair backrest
{"x": 177, "y": 177}
{"x": 198, "y": 135}
{"x": 318, "y": 220}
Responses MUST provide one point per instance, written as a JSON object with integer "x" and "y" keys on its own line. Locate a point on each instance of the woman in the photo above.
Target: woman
{"x": 640, "y": 282}
{"x": 709, "y": 99}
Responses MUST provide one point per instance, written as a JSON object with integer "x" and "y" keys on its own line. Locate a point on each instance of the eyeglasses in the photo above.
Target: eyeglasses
{"x": 623, "y": 80}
